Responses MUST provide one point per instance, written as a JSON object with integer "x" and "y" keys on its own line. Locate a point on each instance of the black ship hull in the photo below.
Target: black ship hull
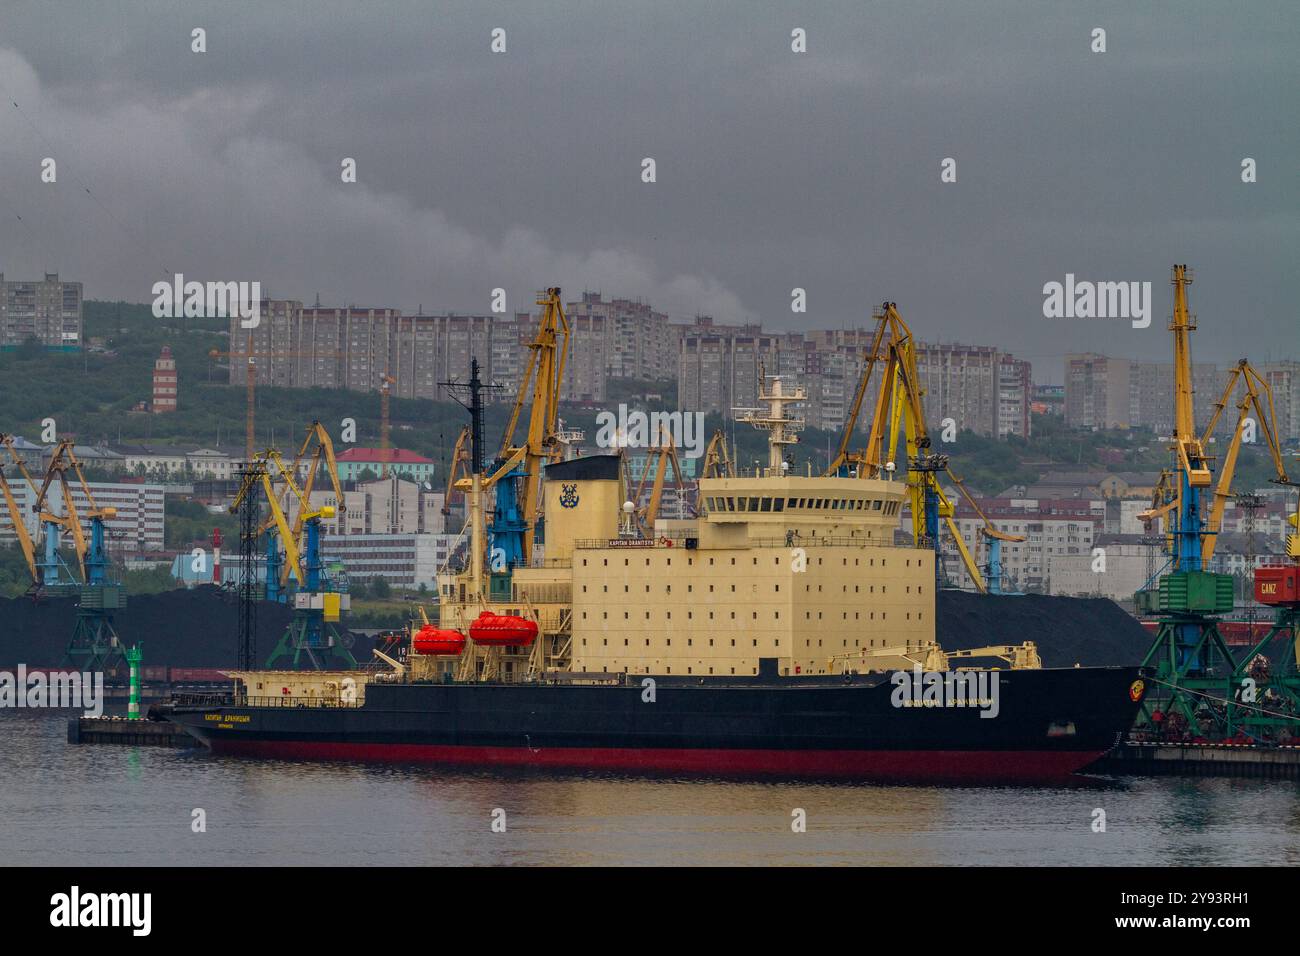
{"x": 1039, "y": 724}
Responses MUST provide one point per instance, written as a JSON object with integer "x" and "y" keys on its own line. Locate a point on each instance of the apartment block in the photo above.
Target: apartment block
{"x": 1284, "y": 380}
{"x": 1151, "y": 394}
{"x": 719, "y": 367}
{"x": 136, "y": 527}
{"x": 639, "y": 342}
{"x": 1096, "y": 391}
{"x": 48, "y": 311}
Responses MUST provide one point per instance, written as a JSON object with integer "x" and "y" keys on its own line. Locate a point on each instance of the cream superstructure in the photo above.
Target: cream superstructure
{"x": 801, "y": 569}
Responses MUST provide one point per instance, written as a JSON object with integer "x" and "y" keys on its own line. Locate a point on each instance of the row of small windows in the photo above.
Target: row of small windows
{"x": 776, "y": 616}
{"x": 604, "y": 642}
{"x": 776, "y": 560}
{"x": 718, "y": 503}
{"x": 776, "y": 588}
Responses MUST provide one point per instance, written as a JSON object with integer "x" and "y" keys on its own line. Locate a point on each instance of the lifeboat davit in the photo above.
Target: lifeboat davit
{"x": 433, "y": 640}
{"x": 502, "y": 630}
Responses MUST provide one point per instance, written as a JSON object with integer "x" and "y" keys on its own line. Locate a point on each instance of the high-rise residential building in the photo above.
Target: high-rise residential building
{"x": 48, "y": 311}
{"x": 271, "y": 345}
{"x": 1284, "y": 380}
{"x": 1096, "y": 391}
{"x": 720, "y": 367}
{"x": 980, "y": 388}
{"x": 353, "y": 348}
{"x": 586, "y": 369}
{"x": 165, "y": 384}
{"x": 960, "y": 382}
{"x": 1104, "y": 392}
{"x": 1151, "y": 394}
{"x": 639, "y": 342}
{"x": 1015, "y": 396}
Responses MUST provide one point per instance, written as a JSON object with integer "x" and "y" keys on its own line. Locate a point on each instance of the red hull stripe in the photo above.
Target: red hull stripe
{"x": 865, "y": 764}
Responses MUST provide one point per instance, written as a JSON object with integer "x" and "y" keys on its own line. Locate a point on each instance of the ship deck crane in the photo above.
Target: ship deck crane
{"x": 932, "y": 657}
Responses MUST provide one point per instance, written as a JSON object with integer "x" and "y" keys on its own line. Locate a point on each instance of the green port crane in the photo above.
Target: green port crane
{"x": 1201, "y": 688}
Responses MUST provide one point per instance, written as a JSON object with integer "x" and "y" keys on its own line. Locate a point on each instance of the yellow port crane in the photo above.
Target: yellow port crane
{"x": 459, "y": 466}
{"x": 278, "y": 519}
{"x": 91, "y": 565}
{"x": 1255, "y": 387}
{"x": 717, "y": 459}
{"x": 845, "y": 461}
{"x": 899, "y": 409}
{"x": 25, "y": 543}
{"x": 315, "y": 453}
{"x": 541, "y": 381}
{"x": 660, "y": 458}
{"x": 993, "y": 539}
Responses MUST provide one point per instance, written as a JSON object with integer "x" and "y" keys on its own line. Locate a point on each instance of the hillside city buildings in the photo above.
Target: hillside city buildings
{"x": 718, "y": 369}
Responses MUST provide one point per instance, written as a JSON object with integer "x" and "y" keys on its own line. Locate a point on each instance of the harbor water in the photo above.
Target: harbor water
{"x": 71, "y": 805}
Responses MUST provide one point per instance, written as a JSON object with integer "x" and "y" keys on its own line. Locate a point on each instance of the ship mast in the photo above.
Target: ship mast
{"x": 477, "y": 515}
{"x": 782, "y": 429}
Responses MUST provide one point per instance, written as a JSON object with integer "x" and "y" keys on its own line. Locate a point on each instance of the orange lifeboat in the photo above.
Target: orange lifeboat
{"x": 502, "y": 630}
{"x": 432, "y": 640}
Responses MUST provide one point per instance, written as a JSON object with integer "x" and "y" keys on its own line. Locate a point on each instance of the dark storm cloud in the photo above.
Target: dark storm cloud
{"x": 775, "y": 170}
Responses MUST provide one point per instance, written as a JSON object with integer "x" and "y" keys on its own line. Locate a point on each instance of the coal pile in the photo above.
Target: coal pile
{"x": 1068, "y": 631}
{"x": 194, "y": 627}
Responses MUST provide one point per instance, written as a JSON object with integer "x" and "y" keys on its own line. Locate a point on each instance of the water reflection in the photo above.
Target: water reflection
{"x": 75, "y": 805}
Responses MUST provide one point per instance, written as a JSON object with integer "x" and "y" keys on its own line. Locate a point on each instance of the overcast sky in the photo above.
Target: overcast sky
{"x": 775, "y": 169}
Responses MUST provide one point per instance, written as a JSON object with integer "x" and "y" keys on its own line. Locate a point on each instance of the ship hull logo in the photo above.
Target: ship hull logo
{"x": 568, "y": 496}
{"x": 1136, "y": 690}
